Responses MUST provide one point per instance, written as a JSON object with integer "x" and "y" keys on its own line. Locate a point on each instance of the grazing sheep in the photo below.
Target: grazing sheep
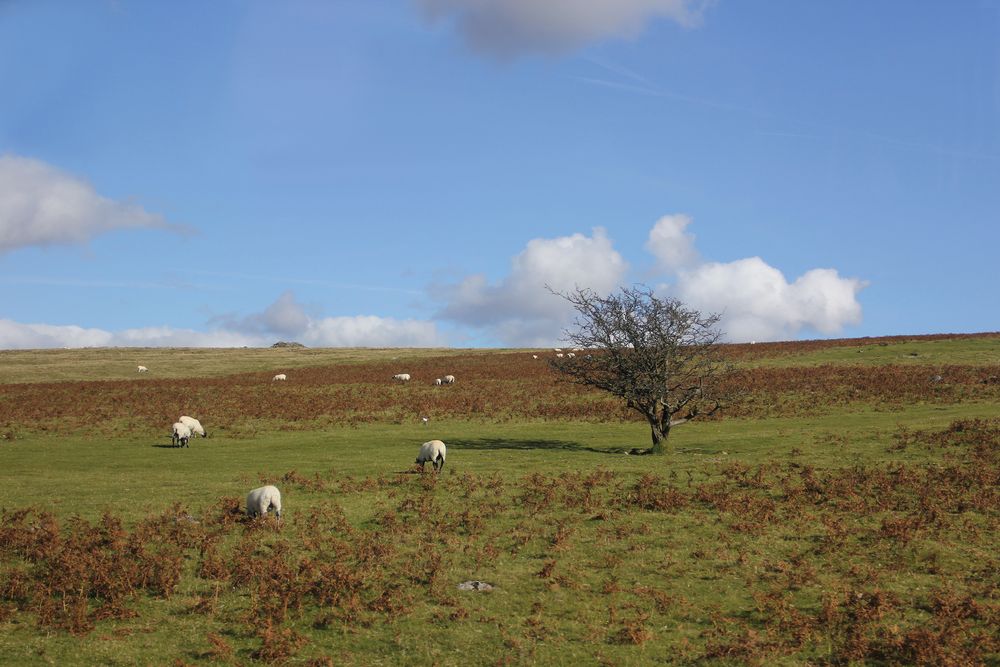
{"x": 571, "y": 354}
{"x": 534, "y": 356}
{"x": 438, "y": 382}
{"x": 194, "y": 425}
{"x": 143, "y": 369}
{"x": 279, "y": 376}
{"x": 448, "y": 379}
{"x": 263, "y": 500}
{"x": 557, "y": 349}
{"x": 402, "y": 377}
{"x": 181, "y": 435}
{"x": 433, "y": 451}
{"x": 560, "y": 355}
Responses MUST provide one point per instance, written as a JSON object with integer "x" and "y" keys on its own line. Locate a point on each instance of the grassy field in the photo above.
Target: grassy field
{"x": 846, "y": 512}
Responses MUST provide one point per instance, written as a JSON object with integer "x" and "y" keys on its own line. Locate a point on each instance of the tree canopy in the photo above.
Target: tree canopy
{"x": 658, "y": 355}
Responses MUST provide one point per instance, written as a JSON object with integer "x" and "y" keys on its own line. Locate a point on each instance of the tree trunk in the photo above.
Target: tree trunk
{"x": 659, "y": 432}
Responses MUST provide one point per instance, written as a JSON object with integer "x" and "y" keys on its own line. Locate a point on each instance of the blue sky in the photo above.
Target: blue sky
{"x": 415, "y": 172}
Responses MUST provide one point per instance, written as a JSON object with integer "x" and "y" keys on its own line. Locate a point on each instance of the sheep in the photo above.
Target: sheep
{"x": 438, "y": 382}
{"x": 571, "y": 354}
{"x": 142, "y": 369}
{"x": 263, "y": 500}
{"x": 560, "y": 355}
{"x": 279, "y": 376}
{"x": 433, "y": 451}
{"x": 534, "y": 356}
{"x": 448, "y": 379}
{"x": 194, "y": 425}
{"x": 402, "y": 377}
{"x": 557, "y": 349}
{"x": 181, "y": 435}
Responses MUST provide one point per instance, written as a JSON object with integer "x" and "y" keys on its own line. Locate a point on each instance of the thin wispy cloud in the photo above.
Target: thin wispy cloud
{"x": 285, "y": 280}
{"x": 635, "y": 83}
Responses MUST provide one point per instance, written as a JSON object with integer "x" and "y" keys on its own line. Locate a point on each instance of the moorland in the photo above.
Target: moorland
{"x": 844, "y": 510}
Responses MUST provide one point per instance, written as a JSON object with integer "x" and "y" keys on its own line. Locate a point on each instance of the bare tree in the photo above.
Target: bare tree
{"x": 655, "y": 353}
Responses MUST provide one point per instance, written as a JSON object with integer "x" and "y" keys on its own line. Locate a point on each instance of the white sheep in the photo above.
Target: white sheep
{"x": 143, "y": 369}
{"x": 181, "y": 435}
{"x": 560, "y": 355}
{"x": 448, "y": 379}
{"x": 194, "y": 425}
{"x": 438, "y": 382}
{"x": 571, "y": 354}
{"x": 557, "y": 349}
{"x": 433, "y": 451}
{"x": 534, "y": 356}
{"x": 279, "y": 376}
{"x": 263, "y": 500}
{"x": 402, "y": 377}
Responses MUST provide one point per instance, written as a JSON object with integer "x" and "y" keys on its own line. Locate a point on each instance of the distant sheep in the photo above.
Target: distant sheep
{"x": 433, "y": 451}
{"x": 560, "y": 355}
{"x": 557, "y": 349}
{"x": 181, "y": 435}
{"x": 571, "y": 354}
{"x": 143, "y": 369}
{"x": 263, "y": 500}
{"x": 402, "y": 377}
{"x": 438, "y": 382}
{"x": 279, "y": 376}
{"x": 194, "y": 425}
{"x": 448, "y": 379}
{"x": 534, "y": 356}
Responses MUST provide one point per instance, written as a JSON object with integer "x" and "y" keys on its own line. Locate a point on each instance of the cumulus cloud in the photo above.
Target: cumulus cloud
{"x": 288, "y": 318}
{"x": 756, "y": 300}
{"x": 41, "y": 205}
{"x": 372, "y": 331}
{"x": 506, "y": 28}
{"x": 285, "y": 318}
{"x": 672, "y": 247}
{"x": 519, "y": 310}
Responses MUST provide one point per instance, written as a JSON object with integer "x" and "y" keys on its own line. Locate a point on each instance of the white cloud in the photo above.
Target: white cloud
{"x": 41, "y": 205}
{"x": 520, "y": 310}
{"x": 506, "y": 28}
{"x": 284, "y": 318}
{"x": 755, "y": 299}
{"x": 372, "y": 331}
{"x": 15, "y": 335}
{"x": 670, "y": 245}
{"x": 288, "y": 318}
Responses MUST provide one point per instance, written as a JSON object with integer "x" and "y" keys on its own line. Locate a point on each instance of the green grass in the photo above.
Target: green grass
{"x": 121, "y": 363}
{"x": 136, "y": 476}
{"x": 976, "y": 351}
{"x": 794, "y": 540}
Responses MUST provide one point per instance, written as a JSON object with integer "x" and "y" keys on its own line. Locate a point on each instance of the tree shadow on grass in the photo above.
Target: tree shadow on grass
{"x": 525, "y": 444}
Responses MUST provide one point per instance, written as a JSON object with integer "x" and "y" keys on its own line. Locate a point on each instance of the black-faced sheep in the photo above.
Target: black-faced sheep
{"x": 181, "y": 435}
{"x": 194, "y": 425}
{"x": 263, "y": 500}
{"x": 433, "y": 451}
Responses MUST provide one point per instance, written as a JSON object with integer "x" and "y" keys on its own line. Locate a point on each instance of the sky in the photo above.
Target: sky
{"x": 429, "y": 172}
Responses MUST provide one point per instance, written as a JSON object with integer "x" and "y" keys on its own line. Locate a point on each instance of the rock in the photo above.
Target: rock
{"x": 282, "y": 343}
{"x": 475, "y": 586}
